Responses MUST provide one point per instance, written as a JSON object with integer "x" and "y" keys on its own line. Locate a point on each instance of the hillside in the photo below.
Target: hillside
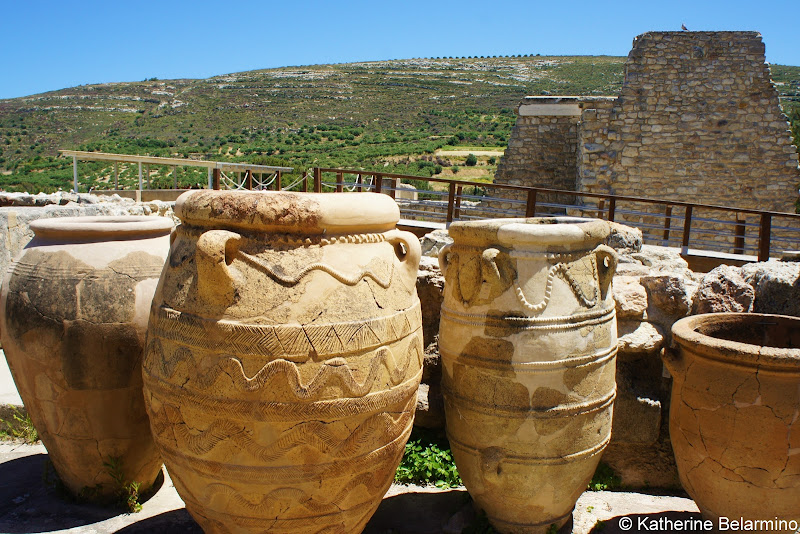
{"x": 370, "y": 115}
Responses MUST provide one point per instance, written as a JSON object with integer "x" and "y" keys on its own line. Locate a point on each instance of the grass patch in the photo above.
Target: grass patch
{"x": 16, "y": 424}
{"x": 428, "y": 460}
{"x": 604, "y": 479}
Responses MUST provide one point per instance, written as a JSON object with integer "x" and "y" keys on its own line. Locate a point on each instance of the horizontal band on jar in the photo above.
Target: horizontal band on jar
{"x": 537, "y": 460}
{"x": 290, "y": 342}
{"x": 260, "y": 411}
{"x": 528, "y": 412}
{"x": 285, "y": 474}
{"x": 561, "y": 322}
{"x": 549, "y": 366}
{"x": 42, "y": 271}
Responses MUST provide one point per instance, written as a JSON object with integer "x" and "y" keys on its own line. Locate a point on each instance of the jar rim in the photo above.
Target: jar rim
{"x": 531, "y": 232}
{"x": 288, "y": 212}
{"x": 102, "y": 227}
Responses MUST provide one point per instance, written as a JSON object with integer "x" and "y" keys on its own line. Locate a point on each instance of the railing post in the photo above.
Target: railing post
{"x": 667, "y": 224}
{"x": 248, "y": 178}
{"x": 601, "y": 207}
{"x": 687, "y": 228}
{"x": 147, "y": 168}
{"x": 738, "y": 238}
{"x": 317, "y": 180}
{"x": 140, "y": 176}
{"x": 530, "y": 206}
{"x": 393, "y": 187}
{"x": 339, "y": 182}
{"x": 451, "y": 199}
{"x": 457, "y": 212}
{"x": 116, "y": 175}
{"x": 378, "y": 182}
{"x": 278, "y": 180}
{"x": 612, "y": 208}
{"x": 215, "y": 179}
{"x": 75, "y": 174}
{"x": 359, "y": 181}
{"x": 763, "y": 237}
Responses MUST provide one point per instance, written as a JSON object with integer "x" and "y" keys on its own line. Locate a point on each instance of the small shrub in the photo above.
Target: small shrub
{"x": 472, "y": 160}
{"x": 427, "y": 460}
{"x": 454, "y": 168}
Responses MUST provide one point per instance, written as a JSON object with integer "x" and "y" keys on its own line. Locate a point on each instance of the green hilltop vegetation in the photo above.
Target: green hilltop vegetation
{"x": 385, "y": 115}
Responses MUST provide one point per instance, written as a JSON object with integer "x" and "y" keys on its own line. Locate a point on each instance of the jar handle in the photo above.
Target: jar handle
{"x": 443, "y": 258}
{"x": 674, "y": 361}
{"x": 607, "y": 259}
{"x": 216, "y": 250}
{"x": 408, "y": 251}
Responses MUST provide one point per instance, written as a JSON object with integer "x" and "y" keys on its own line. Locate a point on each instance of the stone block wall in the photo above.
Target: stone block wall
{"x": 698, "y": 120}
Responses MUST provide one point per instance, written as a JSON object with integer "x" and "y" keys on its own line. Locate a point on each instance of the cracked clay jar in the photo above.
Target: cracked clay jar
{"x": 74, "y": 313}
{"x": 734, "y": 417}
{"x": 528, "y": 342}
{"x": 284, "y": 353}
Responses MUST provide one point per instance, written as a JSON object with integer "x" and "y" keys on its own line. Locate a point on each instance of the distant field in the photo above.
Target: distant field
{"x": 417, "y": 116}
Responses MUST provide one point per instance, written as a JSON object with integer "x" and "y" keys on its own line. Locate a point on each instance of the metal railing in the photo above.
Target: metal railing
{"x": 687, "y": 225}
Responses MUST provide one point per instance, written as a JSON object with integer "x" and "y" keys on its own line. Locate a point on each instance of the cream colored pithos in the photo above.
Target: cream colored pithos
{"x": 734, "y": 419}
{"x": 283, "y": 359}
{"x": 75, "y": 307}
{"x": 528, "y": 346}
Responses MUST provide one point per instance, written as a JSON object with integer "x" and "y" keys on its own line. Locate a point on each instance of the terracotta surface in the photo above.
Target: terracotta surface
{"x": 283, "y": 359}
{"x": 75, "y": 307}
{"x": 528, "y": 345}
{"x": 735, "y": 415}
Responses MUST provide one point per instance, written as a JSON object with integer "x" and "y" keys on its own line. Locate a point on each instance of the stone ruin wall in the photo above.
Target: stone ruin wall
{"x": 697, "y": 120}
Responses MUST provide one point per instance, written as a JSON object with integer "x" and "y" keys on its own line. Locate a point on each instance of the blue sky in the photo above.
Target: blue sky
{"x": 49, "y": 45}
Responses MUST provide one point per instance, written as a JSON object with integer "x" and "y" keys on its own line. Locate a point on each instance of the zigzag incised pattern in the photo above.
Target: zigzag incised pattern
{"x": 297, "y": 343}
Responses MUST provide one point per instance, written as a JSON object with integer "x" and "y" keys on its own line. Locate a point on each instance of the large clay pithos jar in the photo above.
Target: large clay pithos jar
{"x": 283, "y": 359}
{"x": 528, "y": 346}
{"x": 74, "y": 313}
{"x": 734, "y": 418}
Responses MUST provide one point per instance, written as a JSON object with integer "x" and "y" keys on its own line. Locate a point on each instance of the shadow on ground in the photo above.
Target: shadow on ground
{"x": 177, "y": 521}
{"x": 29, "y": 501}
{"x": 417, "y": 513}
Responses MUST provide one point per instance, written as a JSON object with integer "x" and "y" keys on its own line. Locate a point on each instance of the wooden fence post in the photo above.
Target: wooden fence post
{"x": 215, "y": 179}
{"x": 763, "y": 236}
{"x": 451, "y": 199}
{"x": 530, "y": 206}
{"x": 687, "y": 227}
{"x": 317, "y": 180}
{"x": 667, "y": 224}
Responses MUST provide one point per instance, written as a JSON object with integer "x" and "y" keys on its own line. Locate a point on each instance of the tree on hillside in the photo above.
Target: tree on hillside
{"x": 472, "y": 160}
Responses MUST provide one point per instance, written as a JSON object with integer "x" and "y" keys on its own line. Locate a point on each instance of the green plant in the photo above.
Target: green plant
{"x": 604, "y": 479}
{"x": 427, "y": 460}
{"x": 127, "y": 492}
{"x": 471, "y": 160}
{"x": 19, "y": 426}
{"x": 454, "y": 168}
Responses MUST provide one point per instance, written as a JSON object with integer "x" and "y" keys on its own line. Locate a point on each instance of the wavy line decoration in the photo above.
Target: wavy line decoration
{"x": 333, "y": 370}
{"x": 276, "y": 272}
{"x": 317, "y": 435}
{"x": 561, "y": 270}
{"x": 373, "y": 481}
